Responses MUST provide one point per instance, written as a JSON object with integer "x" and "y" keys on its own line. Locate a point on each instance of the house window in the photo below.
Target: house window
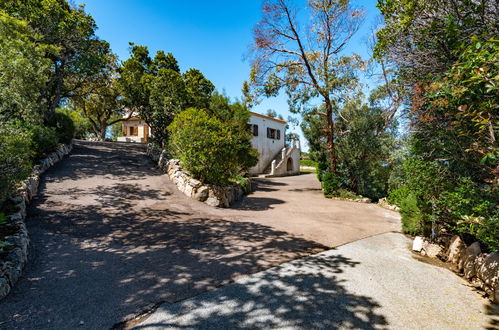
{"x": 274, "y": 134}
{"x": 255, "y": 130}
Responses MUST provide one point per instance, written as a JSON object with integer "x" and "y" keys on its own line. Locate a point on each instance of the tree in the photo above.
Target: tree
{"x": 305, "y": 61}
{"x": 363, "y": 144}
{"x": 157, "y": 91}
{"x": 23, "y": 71}
{"x": 199, "y": 89}
{"x": 99, "y": 100}
{"x": 71, "y": 46}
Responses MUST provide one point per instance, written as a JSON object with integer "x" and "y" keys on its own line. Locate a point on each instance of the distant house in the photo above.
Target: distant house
{"x": 269, "y": 138}
{"x": 275, "y": 158}
{"x": 135, "y": 130}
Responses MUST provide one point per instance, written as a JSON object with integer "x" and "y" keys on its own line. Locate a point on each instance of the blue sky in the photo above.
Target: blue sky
{"x": 212, "y": 36}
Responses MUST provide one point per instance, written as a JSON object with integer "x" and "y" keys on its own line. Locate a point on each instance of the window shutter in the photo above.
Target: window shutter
{"x": 268, "y": 133}
{"x": 278, "y": 134}
{"x": 255, "y": 130}
{"x": 124, "y": 130}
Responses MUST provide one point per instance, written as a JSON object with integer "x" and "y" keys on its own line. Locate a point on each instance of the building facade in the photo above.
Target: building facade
{"x": 269, "y": 138}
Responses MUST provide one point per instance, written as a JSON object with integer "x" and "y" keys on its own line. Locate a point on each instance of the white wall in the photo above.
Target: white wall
{"x": 267, "y": 148}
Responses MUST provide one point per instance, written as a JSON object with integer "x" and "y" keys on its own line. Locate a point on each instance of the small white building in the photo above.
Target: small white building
{"x": 134, "y": 130}
{"x": 269, "y": 138}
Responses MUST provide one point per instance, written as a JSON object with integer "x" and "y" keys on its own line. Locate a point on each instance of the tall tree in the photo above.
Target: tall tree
{"x": 304, "y": 57}
{"x": 73, "y": 48}
{"x": 155, "y": 89}
{"x": 24, "y": 71}
{"x": 98, "y": 98}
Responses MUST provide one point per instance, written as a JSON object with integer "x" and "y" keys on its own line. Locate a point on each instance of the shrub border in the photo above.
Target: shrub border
{"x": 212, "y": 195}
{"x": 11, "y": 268}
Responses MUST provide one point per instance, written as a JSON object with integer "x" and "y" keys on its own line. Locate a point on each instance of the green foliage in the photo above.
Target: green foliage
{"x": 15, "y": 157}
{"x": 243, "y": 182}
{"x": 23, "y": 70}
{"x": 330, "y": 184}
{"x": 64, "y": 127}
{"x": 212, "y": 150}
{"x": 308, "y": 162}
{"x": 157, "y": 91}
{"x": 71, "y": 50}
{"x": 396, "y": 196}
{"x": 82, "y": 125}
{"x": 412, "y": 217}
{"x": 363, "y": 147}
{"x": 44, "y": 140}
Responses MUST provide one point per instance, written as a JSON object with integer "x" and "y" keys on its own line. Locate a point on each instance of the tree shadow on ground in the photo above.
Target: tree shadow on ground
{"x": 122, "y": 161}
{"x": 104, "y": 250}
{"x": 492, "y": 310}
{"x": 304, "y": 295}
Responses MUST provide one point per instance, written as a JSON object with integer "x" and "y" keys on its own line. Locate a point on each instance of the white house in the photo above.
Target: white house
{"x": 134, "y": 130}
{"x": 269, "y": 138}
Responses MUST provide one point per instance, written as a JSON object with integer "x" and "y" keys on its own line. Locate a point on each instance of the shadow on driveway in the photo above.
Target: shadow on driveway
{"x": 299, "y": 297}
{"x": 111, "y": 237}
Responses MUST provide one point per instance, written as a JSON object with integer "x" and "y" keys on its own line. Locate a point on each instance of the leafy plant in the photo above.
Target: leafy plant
{"x": 64, "y": 127}
{"x": 15, "y": 157}
{"x": 211, "y": 150}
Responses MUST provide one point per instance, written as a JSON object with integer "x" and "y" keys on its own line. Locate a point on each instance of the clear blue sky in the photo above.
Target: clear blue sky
{"x": 212, "y": 36}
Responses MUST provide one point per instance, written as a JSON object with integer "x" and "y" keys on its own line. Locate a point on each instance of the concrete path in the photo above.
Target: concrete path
{"x": 370, "y": 284}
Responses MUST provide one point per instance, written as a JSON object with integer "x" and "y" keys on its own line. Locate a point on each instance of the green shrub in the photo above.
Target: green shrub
{"x": 64, "y": 127}
{"x": 211, "y": 150}
{"x": 330, "y": 184}
{"x": 412, "y": 218}
{"x": 396, "y": 196}
{"x": 44, "y": 140}
{"x": 15, "y": 158}
{"x": 308, "y": 162}
{"x": 244, "y": 182}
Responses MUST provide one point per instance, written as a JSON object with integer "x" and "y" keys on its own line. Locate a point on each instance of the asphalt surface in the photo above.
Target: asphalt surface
{"x": 374, "y": 283}
{"x": 111, "y": 237}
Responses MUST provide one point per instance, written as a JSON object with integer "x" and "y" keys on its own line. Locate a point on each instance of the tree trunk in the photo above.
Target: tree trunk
{"x": 330, "y": 136}
{"x": 102, "y": 133}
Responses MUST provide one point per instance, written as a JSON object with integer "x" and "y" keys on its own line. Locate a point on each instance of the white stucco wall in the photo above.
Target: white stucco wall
{"x": 134, "y": 138}
{"x": 267, "y": 148}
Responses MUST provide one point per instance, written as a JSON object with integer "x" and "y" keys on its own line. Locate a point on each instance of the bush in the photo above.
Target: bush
{"x": 64, "y": 127}
{"x": 412, "y": 218}
{"x": 44, "y": 140}
{"x": 308, "y": 162}
{"x": 15, "y": 158}
{"x": 396, "y": 196}
{"x": 211, "y": 150}
{"x": 330, "y": 184}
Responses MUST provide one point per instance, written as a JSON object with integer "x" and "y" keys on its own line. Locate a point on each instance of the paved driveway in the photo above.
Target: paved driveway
{"x": 373, "y": 283}
{"x": 111, "y": 237}
{"x": 295, "y": 204}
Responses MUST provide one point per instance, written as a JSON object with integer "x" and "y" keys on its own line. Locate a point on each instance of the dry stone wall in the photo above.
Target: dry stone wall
{"x": 13, "y": 263}
{"x": 210, "y": 194}
{"x": 481, "y": 269}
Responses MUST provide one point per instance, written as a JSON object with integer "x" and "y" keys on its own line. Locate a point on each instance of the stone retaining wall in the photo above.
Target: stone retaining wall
{"x": 480, "y": 269}
{"x": 12, "y": 266}
{"x": 210, "y": 194}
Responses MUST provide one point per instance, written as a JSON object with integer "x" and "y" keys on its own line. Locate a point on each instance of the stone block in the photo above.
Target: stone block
{"x": 4, "y": 288}
{"x": 432, "y": 250}
{"x": 417, "y": 244}
{"x": 469, "y": 258}
{"x": 488, "y": 272}
{"x": 456, "y": 250}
